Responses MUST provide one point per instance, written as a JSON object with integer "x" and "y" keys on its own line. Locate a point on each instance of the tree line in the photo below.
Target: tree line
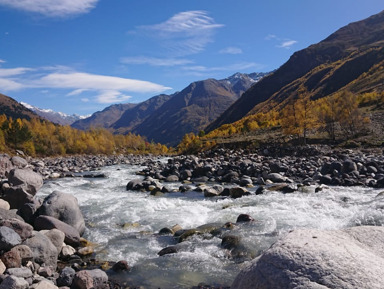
{"x": 37, "y": 137}
{"x": 339, "y": 116}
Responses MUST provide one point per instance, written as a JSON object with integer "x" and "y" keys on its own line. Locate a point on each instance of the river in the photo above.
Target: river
{"x": 125, "y": 224}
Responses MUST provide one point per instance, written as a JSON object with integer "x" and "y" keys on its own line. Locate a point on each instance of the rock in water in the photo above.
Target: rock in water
{"x": 308, "y": 258}
{"x": 65, "y": 208}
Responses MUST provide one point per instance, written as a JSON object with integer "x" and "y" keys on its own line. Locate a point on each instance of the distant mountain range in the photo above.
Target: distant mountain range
{"x": 349, "y": 59}
{"x": 167, "y": 118}
{"x": 53, "y": 116}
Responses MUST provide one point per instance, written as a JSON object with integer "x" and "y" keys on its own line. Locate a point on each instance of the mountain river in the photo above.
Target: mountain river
{"x": 125, "y": 224}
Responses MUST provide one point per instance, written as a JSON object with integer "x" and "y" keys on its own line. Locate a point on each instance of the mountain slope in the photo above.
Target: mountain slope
{"x": 12, "y": 108}
{"x": 104, "y": 118}
{"x": 334, "y": 63}
{"x": 190, "y": 110}
{"x": 134, "y": 116}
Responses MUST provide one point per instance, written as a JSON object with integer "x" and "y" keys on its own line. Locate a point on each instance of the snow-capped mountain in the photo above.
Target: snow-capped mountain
{"x": 240, "y": 82}
{"x": 53, "y": 116}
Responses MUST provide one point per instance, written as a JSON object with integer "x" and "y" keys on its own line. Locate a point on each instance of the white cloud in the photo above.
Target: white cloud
{"x": 77, "y": 92}
{"x": 7, "y": 72}
{"x": 2, "y": 61}
{"x": 283, "y": 42}
{"x": 155, "y": 61}
{"x": 111, "y": 96}
{"x": 287, "y": 44}
{"x": 9, "y": 84}
{"x": 102, "y": 88}
{"x": 231, "y": 50}
{"x": 52, "y": 8}
{"x": 186, "y": 32}
{"x": 86, "y": 81}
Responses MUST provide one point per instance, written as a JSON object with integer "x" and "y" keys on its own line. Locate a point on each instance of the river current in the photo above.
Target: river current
{"x": 125, "y": 224}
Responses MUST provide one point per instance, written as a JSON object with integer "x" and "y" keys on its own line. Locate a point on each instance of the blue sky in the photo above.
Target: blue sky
{"x": 79, "y": 56}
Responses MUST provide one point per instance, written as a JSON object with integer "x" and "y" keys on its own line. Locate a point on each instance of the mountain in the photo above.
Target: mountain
{"x": 351, "y": 58}
{"x": 166, "y": 118}
{"x": 134, "y": 116}
{"x": 12, "y": 108}
{"x": 53, "y": 116}
{"x": 104, "y": 118}
{"x": 193, "y": 108}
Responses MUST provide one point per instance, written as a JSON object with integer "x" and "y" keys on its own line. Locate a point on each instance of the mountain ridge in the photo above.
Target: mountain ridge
{"x": 364, "y": 34}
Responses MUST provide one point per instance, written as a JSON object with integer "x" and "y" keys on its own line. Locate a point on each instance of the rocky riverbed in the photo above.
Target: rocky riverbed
{"x": 28, "y": 221}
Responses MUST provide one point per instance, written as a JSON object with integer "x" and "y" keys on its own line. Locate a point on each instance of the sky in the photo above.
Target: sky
{"x": 80, "y": 56}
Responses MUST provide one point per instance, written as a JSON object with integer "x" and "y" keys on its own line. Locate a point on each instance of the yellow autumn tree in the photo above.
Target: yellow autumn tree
{"x": 299, "y": 117}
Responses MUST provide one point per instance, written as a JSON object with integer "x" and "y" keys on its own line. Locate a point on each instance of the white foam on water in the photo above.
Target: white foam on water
{"x": 125, "y": 223}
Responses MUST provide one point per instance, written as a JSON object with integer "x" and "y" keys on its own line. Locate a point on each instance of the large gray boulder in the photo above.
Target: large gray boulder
{"x": 71, "y": 235}
{"x": 44, "y": 252}
{"x": 26, "y": 177}
{"x": 308, "y": 258}
{"x": 17, "y": 196}
{"x": 65, "y": 208}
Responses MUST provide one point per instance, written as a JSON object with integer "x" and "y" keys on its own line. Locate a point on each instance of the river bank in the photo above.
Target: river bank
{"x": 135, "y": 225}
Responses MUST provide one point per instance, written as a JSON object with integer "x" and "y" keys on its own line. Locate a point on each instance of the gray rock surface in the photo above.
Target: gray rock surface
{"x": 12, "y": 282}
{"x": 33, "y": 181}
{"x": 71, "y": 235}
{"x": 65, "y": 208}
{"x": 87, "y": 279}
{"x": 43, "y": 250}
{"x": 308, "y": 258}
{"x": 8, "y": 238}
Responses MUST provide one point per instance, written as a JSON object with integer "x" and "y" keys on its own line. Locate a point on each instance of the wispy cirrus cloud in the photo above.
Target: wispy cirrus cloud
{"x": 155, "y": 61}
{"x": 287, "y": 44}
{"x": 184, "y": 33}
{"x": 231, "y": 50}
{"x": 103, "y": 88}
{"x": 52, "y": 8}
{"x": 283, "y": 42}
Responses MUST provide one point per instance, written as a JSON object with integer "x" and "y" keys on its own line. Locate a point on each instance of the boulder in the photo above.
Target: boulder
{"x": 5, "y": 165}
{"x": 136, "y": 184}
{"x": 44, "y": 284}
{"x": 19, "y": 162}
{"x": 238, "y": 192}
{"x": 66, "y": 277}
{"x": 12, "y": 259}
{"x": 12, "y": 282}
{"x": 57, "y": 238}
{"x": 44, "y": 252}
{"x": 65, "y": 208}
{"x": 4, "y": 205}
{"x": 90, "y": 279}
{"x": 8, "y": 238}
{"x": 17, "y": 196}
{"x": 309, "y": 258}
{"x": 23, "y": 229}
{"x": 72, "y": 236}
{"x": 24, "y": 252}
{"x": 27, "y": 211}
{"x": 31, "y": 180}
{"x": 276, "y": 178}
